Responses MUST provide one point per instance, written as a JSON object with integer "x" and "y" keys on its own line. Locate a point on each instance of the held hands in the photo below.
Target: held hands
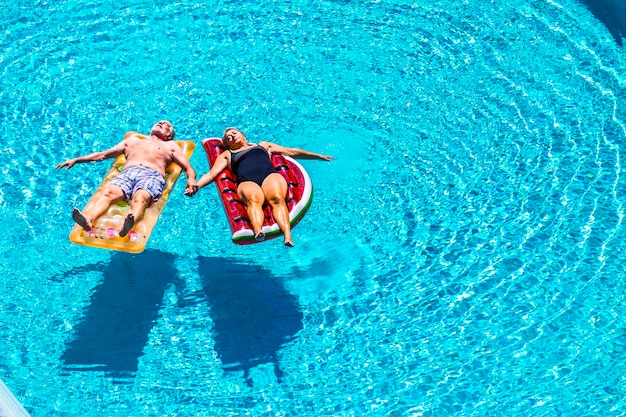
{"x": 191, "y": 189}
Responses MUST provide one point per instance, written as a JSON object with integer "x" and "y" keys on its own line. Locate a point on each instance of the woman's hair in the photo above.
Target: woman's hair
{"x": 228, "y": 129}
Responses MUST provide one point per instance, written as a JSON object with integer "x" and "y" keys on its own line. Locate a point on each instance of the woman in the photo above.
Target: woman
{"x": 257, "y": 180}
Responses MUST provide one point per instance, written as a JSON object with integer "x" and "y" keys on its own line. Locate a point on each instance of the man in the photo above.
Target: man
{"x": 143, "y": 179}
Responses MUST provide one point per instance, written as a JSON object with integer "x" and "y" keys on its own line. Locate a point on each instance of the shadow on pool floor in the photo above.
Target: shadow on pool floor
{"x": 612, "y": 13}
{"x": 253, "y": 314}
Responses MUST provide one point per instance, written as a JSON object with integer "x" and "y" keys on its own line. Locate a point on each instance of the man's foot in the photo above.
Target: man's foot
{"x": 129, "y": 222}
{"x": 81, "y": 220}
{"x": 259, "y": 237}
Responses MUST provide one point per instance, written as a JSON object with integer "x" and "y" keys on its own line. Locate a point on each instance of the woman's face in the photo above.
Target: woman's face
{"x": 233, "y": 139}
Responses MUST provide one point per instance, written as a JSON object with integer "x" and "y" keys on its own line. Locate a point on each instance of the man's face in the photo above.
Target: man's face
{"x": 163, "y": 130}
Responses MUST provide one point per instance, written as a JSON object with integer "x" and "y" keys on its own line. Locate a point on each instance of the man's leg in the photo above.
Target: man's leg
{"x": 141, "y": 200}
{"x": 87, "y": 219}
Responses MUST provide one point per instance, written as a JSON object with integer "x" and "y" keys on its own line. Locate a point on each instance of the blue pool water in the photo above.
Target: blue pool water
{"x": 463, "y": 255}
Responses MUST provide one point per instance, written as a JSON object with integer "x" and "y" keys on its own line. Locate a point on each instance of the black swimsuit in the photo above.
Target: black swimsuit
{"x": 252, "y": 164}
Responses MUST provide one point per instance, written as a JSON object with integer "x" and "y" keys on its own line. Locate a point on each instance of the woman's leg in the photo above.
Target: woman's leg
{"x": 252, "y": 196}
{"x": 275, "y": 190}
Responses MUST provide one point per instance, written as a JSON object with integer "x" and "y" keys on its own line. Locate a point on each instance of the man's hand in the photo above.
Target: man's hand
{"x": 69, "y": 163}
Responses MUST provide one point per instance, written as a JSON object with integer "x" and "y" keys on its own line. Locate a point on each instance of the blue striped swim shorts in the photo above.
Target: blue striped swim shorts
{"x": 139, "y": 178}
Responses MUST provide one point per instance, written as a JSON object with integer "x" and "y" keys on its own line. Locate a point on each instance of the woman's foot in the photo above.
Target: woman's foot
{"x": 81, "y": 220}
{"x": 129, "y": 222}
{"x": 288, "y": 243}
{"x": 259, "y": 237}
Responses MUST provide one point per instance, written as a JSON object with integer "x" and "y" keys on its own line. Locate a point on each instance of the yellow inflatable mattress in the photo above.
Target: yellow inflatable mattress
{"x": 105, "y": 233}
